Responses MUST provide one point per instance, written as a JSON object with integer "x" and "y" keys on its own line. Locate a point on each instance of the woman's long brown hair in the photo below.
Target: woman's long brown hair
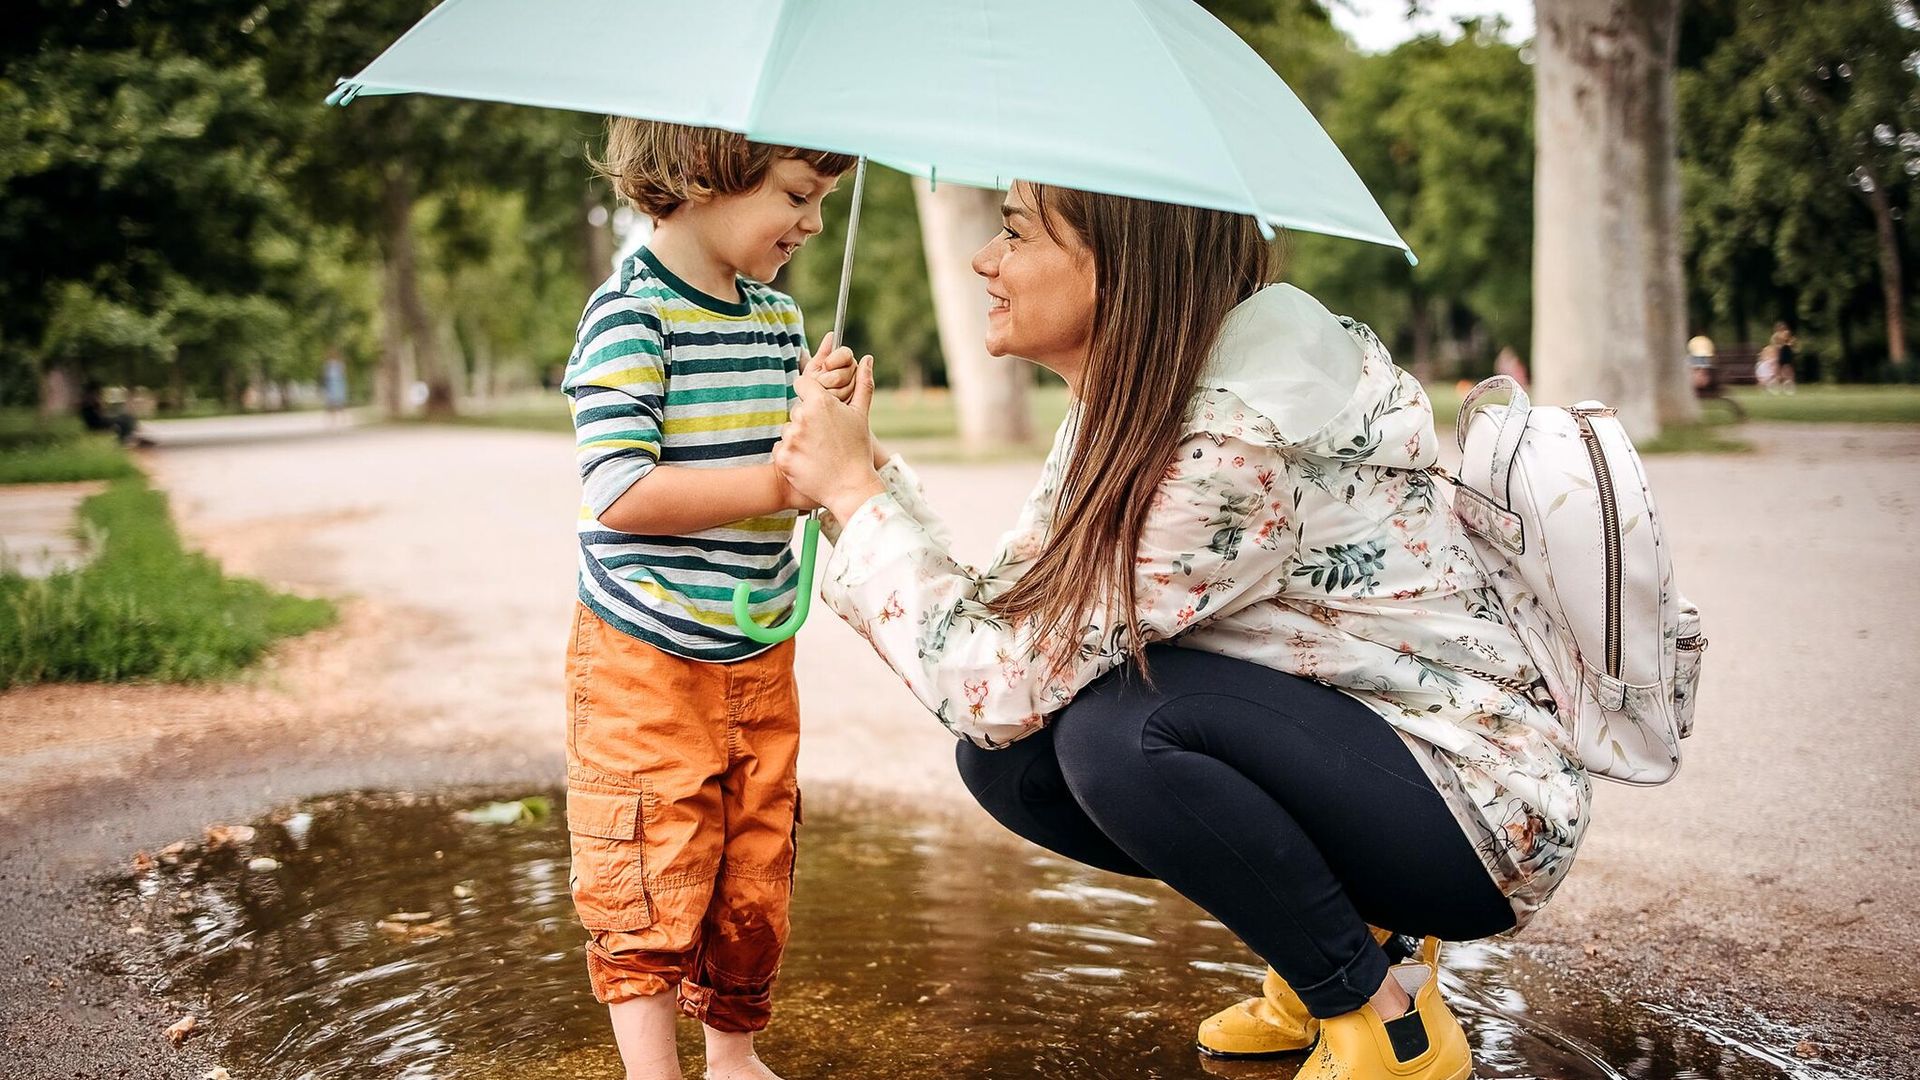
{"x": 1165, "y": 277}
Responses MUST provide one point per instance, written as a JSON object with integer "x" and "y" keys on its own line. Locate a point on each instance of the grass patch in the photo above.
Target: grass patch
{"x": 145, "y": 608}
{"x": 922, "y": 422}
{"x": 1820, "y": 404}
{"x": 33, "y": 451}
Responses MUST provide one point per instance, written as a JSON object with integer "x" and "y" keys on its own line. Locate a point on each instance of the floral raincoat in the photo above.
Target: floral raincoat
{"x": 1298, "y": 526}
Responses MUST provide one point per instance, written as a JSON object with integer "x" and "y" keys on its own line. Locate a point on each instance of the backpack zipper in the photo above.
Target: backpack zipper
{"x": 1609, "y": 529}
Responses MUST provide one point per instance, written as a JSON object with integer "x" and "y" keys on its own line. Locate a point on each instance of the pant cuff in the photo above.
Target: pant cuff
{"x": 737, "y": 1011}
{"x": 1348, "y": 988}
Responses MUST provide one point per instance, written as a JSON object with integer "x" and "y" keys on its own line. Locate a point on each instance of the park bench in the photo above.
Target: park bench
{"x": 1727, "y": 367}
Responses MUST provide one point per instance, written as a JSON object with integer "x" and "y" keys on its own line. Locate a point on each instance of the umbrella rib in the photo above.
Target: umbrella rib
{"x": 1259, "y": 212}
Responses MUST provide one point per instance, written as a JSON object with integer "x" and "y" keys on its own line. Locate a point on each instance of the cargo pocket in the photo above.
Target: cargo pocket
{"x": 1688, "y": 646}
{"x": 608, "y": 880}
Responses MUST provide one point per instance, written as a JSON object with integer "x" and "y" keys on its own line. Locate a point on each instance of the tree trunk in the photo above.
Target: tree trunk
{"x": 1605, "y": 282}
{"x": 1420, "y": 321}
{"x": 390, "y": 385}
{"x": 404, "y": 282}
{"x": 1669, "y": 371}
{"x": 59, "y": 395}
{"x": 1892, "y": 287}
{"x": 596, "y": 238}
{"x": 990, "y": 393}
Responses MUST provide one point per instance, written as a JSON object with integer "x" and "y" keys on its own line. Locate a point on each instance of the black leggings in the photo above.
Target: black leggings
{"x": 1289, "y": 811}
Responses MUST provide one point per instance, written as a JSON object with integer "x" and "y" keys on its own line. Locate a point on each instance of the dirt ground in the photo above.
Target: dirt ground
{"x": 1776, "y": 877}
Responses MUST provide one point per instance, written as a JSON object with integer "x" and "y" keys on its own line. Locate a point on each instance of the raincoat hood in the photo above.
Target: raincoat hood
{"x": 1325, "y": 383}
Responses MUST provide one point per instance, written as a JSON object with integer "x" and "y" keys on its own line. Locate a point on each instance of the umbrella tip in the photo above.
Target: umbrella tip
{"x": 1412, "y": 259}
{"x": 343, "y": 93}
{"x": 1266, "y": 229}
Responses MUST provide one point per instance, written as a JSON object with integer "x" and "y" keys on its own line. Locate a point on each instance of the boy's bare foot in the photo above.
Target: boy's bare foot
{"x": 730, "y": 1056}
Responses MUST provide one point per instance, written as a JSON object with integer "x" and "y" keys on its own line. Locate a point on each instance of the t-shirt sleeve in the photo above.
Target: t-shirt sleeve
{"x": 617, "y": 383}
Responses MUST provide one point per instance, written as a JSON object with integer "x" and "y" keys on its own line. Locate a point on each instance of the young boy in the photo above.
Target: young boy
{"x": 683, "y": 732}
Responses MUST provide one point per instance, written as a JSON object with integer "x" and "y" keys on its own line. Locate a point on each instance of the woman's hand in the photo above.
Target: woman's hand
{"x": 826, "y": 450}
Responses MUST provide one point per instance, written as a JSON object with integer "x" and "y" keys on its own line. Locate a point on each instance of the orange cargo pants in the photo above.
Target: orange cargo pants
{"x": 682, "y": 809}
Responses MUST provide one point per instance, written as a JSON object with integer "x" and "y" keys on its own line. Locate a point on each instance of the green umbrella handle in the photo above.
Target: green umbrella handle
{"x": 803, "y": 602}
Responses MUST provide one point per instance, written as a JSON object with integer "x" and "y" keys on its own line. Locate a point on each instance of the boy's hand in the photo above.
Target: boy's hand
{"x": 833, "y": 368}
{"x": 790, "y": 498}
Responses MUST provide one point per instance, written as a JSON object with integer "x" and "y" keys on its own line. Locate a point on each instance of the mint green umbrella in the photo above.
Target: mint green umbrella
{"x": 1151, "y": 99}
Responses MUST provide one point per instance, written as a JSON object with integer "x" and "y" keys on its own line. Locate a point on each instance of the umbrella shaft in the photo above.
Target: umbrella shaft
{"x": 846, "y": 262}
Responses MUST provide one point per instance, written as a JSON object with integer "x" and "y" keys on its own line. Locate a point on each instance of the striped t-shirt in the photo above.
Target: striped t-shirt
{"x": 664, "y": 374}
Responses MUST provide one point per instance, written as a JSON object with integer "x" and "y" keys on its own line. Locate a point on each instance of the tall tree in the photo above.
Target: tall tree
{"x": 989, "y": 393}
{"x": 1803, "y": 142}
{"x": 1608, "y": 300}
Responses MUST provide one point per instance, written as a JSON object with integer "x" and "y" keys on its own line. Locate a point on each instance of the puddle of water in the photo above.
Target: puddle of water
{"x": 918, "y": 951}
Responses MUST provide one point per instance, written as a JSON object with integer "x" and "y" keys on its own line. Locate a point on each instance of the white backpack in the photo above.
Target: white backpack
{"x": 1560, "y": 516}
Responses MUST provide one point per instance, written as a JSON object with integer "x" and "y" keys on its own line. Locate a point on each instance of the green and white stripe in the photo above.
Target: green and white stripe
{"x": 664, "y": 374}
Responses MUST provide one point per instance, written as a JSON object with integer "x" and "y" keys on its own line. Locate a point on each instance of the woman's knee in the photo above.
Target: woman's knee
{"x": 979, "y": 771}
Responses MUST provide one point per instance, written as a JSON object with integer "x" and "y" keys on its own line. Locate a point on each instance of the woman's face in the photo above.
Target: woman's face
{"x": 1041, "y": 289}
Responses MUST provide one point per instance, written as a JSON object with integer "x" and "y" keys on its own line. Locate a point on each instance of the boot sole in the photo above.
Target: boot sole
{"x": 1261, "y": 1055}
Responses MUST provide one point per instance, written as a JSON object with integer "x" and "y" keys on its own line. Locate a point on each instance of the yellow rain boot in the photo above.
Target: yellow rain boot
{"x": 1277, "y": 1022}
{"x": 1425, "y": 1044}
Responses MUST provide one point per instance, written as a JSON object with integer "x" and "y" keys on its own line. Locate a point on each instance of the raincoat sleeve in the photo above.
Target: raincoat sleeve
{"x": 1219, "y": 531}
{"x": 616, "y": 381}
{"x": 904, "y": 485}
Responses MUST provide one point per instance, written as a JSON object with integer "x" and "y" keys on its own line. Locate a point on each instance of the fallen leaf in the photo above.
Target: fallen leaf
{"x": 463, "y": 891}
{"x": 531, "y": 808}
{"x": 217, "y": 1073}
{"x": 142, "y": 862}
{"x": 411, "y": 916}
{"x": 219, "y": 836}
{"x": 172, "y": 852}
{"x": 56, "y": 983}
{"x": 263, "y": 865}
{"x": 182, "y": 1029}
{"x": 416, "y": 930}
{"x": 1806, "y": 1049}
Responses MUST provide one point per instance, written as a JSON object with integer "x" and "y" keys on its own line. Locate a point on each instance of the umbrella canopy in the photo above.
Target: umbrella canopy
{"x": 1152, "y": 99}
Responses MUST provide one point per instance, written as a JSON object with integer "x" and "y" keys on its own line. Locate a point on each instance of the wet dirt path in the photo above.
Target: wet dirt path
{"x": 1777, "y": 876}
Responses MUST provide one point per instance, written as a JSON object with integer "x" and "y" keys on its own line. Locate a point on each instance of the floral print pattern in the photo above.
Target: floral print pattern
{"x": 1329, "y": 554}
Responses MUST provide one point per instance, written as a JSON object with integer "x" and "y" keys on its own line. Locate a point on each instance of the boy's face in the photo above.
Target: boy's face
{"x": 756, "y": 232}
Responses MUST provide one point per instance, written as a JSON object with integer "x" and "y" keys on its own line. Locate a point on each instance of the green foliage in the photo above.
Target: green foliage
{"x": 1442, "y": 132}
{"x": 1791, "y": 115}
{"x": 145, "y": 608}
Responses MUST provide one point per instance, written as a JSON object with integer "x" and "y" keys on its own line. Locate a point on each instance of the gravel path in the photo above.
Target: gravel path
{"x": 1778, "y": 874}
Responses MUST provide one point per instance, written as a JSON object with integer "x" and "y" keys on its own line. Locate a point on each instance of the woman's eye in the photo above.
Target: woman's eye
{"x": 797, "y": 200}
{"x": 1008, "y": 229}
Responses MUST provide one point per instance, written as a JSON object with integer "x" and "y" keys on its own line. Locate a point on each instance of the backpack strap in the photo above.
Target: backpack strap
{"x": 1513, "y": 425}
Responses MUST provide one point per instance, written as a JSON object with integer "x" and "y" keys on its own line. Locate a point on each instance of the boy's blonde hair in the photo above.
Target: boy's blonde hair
{"x": 656, "y": 166}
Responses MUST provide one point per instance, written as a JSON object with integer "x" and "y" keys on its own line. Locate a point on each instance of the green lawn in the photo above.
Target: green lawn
{"x": 36, "y": 452}
{"x": 923, "y": 423}
{"x": 145, "y": 608}
{"x": 1821, "y": 404}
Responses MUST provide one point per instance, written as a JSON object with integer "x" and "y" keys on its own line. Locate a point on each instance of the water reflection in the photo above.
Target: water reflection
{"x": 397, "y": 940}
